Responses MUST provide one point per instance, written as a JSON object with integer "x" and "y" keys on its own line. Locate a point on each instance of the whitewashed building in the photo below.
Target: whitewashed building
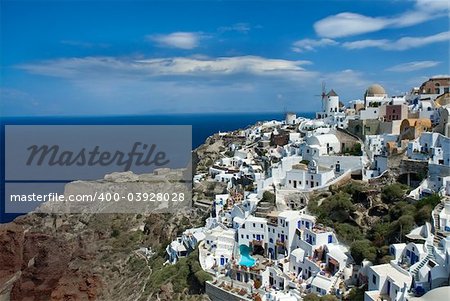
{"x": 387, "y": 281}
{"x": 253, "y": 232}
{"x": 303, "y": 177}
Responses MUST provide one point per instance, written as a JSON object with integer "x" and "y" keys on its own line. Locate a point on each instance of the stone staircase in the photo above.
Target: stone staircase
{"x": 430, "y": 250}
{"x": 424, "y": 261}
{"x": 417, "y": 267}
{"x": 263, "y": 208}
{"x": 438, "y": 235}
{"x": 337, "y": 276}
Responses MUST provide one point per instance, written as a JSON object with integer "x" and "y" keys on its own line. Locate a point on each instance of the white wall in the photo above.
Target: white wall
{"x": 369, "y": 113}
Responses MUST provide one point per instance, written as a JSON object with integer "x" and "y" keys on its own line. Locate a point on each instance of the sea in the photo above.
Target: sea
{"x": 203, "y": 126}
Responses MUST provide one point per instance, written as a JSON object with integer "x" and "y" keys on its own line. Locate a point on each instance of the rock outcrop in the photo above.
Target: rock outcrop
{"x": 87, "y": 256}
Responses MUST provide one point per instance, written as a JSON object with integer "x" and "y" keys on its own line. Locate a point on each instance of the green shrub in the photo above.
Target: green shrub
{"x": 356, "y": 150}
{"x": 268, "y": 197}
{"x": 229, "y": 154}
{"x": 363, "y": 249}
{"x": 393, "y": 193}
{"x": 401, "y": 208}
{"x": 311, "y": 297}
{"x": 379, "y": 234}
{"x": 115, "y": 233}
{"x": 329, "y": 298}
{"x": 348, "y": 233}
{"x": 202, "y": 276}
{"x": 356, "y": 294}
{"x": 423, "y": 215}
{"x": 399, "y": 228}
{"x": 185, "y": 274}
{"x": 432, "y": 201}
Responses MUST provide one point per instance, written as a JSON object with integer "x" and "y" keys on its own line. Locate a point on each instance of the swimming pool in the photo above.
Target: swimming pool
{"x": 246, "y": 259}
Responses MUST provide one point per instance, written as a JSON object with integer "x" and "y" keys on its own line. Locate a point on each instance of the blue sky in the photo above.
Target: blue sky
{"x": 150, "y": 57}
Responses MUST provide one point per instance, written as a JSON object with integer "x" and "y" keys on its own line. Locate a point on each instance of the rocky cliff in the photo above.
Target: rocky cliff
{"x": 85, "y": 256}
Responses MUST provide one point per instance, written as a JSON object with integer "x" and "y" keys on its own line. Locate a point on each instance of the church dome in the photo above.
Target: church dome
{"x": 375, "y": 90}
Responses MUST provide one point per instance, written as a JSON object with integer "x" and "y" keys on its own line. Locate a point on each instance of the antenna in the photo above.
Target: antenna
{"x": 323, "y": 95}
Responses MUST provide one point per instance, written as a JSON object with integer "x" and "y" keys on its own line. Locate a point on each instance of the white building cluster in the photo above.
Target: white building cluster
{"x": 289, "y": 252}
{"x": 274, "y": 249}
{"x": 419, "y": 266}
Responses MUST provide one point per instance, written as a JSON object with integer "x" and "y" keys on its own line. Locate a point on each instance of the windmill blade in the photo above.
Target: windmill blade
{"x": 324, "y": 91}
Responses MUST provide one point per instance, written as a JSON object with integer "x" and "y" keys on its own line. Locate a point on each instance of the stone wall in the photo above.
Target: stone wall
{"x": 218, "y": 294}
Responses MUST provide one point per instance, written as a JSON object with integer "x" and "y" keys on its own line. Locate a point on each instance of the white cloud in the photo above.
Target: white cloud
{"x": 413, "y": 66}
{"x": 83, "y": 44}
{"x": 173, "y": 84}
{"x": 182, "y": 40}
{"x": 174, "y": 66}
{"x": 440, "y": 75}
{"x": 433, "y": 5}
{"x": 366, "y": 44}
{"x": 400, "y": 44}
{"x": 239, "y": 27}
{"x": 187, "y": 84}
{"x": 16, "y": 102}
{"x": 310, "y": 44}
{"x": 345, "y": 79}
{"x": 349, "y": 24}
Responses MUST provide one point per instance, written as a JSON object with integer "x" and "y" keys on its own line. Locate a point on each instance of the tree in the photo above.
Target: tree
{"x": 386, "y": 259}
{"x": 432, "y": 201}
{"x": 393, "y": 193}
{"x": 329, "y": 298}
{"x": 229, "y": 154}
{"x": 401, "y": 227}
{"x": 401, "y": 208}
{"x": 356, "y": 190}
{"x": 356, "y": 150}
{"x": 379, "y": 234}
{"x": 202, "y": 276}
{"x": 115, "y": 233}
{"x": 356, "y": 294}
{"x": 268, "y": 197}
{"x": 311, "y": 297}
{"x": 339, "y": 207}
{"x": 363, "y": 249}
{"x": 348, "y": 233}
{"x": 423, "y": 215}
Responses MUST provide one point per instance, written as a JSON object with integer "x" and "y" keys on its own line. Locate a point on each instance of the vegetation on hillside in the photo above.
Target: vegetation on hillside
{"x": 184, "y": 277}
{"x": 349, "y": 210}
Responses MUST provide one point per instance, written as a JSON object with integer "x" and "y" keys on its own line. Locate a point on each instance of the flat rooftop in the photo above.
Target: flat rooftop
{"x": 387, "y": 270}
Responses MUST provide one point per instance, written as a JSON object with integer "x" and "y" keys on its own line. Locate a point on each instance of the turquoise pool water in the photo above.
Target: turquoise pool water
{"x": 246, "y": 259}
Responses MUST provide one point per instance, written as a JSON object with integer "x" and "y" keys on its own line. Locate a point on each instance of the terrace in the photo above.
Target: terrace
{"x": 318, "y": 228}
{"x": 237, "y": 289}
{"x": 376, "y": 296}
{"x": 261, "y": 265}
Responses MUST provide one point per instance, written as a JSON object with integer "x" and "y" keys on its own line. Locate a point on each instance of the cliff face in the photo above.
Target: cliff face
{"x": 85, "y": 256}
{"x": 37, "y": 265}
{"x": 45, "y": 256}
